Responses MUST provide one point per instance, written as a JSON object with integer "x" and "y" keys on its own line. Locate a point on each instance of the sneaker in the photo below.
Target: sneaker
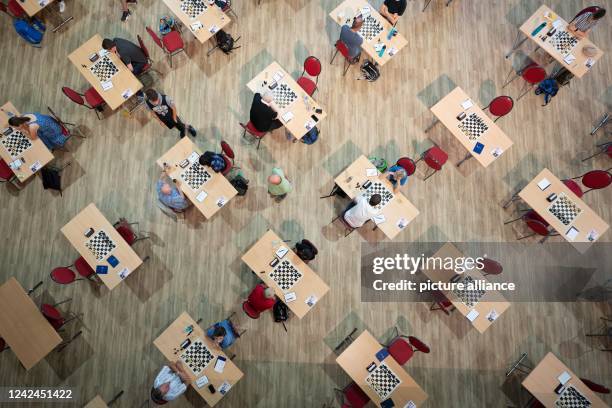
{"x": 62, "y": 6}
{"x": 125, "y": 15}
{"x": 192, "y": 131}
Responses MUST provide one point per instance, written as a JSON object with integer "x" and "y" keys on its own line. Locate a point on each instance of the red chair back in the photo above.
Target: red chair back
{"x": 63, "y": 275}
{"x": 126, "y": 233}
{"x": 355, "y": 396}
{"x": 250, "y": 310}
{"x": 73, "y": 95}
{"x": 597, "y": 179}
{"x": 173, "y": 41}
{"x": 15, "y": 9}
{"x": 340, "y": 46}
{"x": 5, "y": 171}
{"x": 593, "y": 386}
{"x": 609, "y": 150}
{"x": 534, "y": 74}
{"x": 400, "y": 350}
{"x": 83, "y": 268}
{"x": 491, "y": 267}
{"x": 419, "y": 345}
{"x": 574, "y": 187}
{"x": 143, "y": 47}
{"x": 591, "y": 9}
{"x": 312, "y": 66}
{"x": 407, "y": 164}
{"x": 249, "y": 127}
{"x": 5, "y": 10}
{"x": 50, "y": 312}
{"x": 227, "y": 150}
{"x": 435, "y": 157}
{"x": 532, "y": 215}
{"x": 2, "y": 342}
{"x": 537, "y": 227}
{"x": 155, "y": 38}
{"x": 228, "y": 165}
{"x": 501, "y": 106}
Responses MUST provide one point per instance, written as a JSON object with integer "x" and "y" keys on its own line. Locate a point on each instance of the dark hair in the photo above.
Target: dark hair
{"x": 375, "y": 199}
{"x": 206, "y": 158}
{"x": 599, "y": 13}
{"x": 157, "y": 395}
{"x": 219, "y": 332}
{"x": 107, "y": 44}
{"x": 357, "y": 22}
{"x": 18, "y": 120}
{"x": 151, "y": 94}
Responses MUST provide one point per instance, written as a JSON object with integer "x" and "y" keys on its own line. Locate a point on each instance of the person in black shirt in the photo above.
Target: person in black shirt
{"x": 131, "y": 54}
{"x": 306, "y": 250}
{"x": 393, "y": 9}
{"x": 264, "y": 113}
{"x": 164, "y": 110}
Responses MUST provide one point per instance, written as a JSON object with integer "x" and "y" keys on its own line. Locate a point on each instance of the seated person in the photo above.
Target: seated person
{"x": 213, "y": 160}
{"x": 222, "y": 333}
{"x": 262, "y": 298}
{"x": 169, "y": 194}
{"x": 170, "y": 383}
{"x": 362, "y": 210}
{"x": 393, "y": 9}
{"x": 37, "y": 125}
{"x": 264, "y": 113}
{"x": 397, "y": 175}
{"x": 306, "y": 250}
{"x": 131, "y": 54}
{"x": 350, "y": 37}
{"x": 585, "y": 21}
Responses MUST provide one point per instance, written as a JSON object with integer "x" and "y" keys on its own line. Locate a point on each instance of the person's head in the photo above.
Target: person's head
{"x": 218, "y": 334}
{"x": 599, "y": 13}
{"x": 274, "y": 179}
{"x": 268, "y": 293}
{"x": 166, "y": 189}
{"x": 109, "y": 44}
{"x": 357, "y": 23}
{"x": 18, "y": 121}
{"x": 152, "y": 95}
{"x": 157, "y": 394}
{"x": 267, "y": 97}
{"x": 400, "y": 173}
{"x": 375, "y": 200}
{"x": 207, "y": 158}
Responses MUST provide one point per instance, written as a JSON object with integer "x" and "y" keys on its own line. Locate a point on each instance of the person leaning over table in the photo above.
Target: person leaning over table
{"x": 131, "y": 54}
{"x": 278, "y": 184}
{"x": 169, "y": 194}
{"x": 261, "y": 298}
{"x": 36, "y": 125}
{"x": 213, "y": 160}
{"x": 393, "y": 9}
{"x": 264, "y": 113}
{"x": 164, "y": 110}
{"x": 170, "y": 383}
{"x": 585, "y": 21}
{"x": 397, "y": 176}
{"x": 361, "y": 210}
{"x": 350, "y": 37}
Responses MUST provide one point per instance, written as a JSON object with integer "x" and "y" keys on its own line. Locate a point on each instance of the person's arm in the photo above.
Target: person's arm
{"x": 179, "y": 369}
{"x": 384, "y": 11}
{"x": 32, "y": 132}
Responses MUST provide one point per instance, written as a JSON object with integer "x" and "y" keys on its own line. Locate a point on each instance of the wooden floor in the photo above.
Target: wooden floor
{"x": 195, "y": 264}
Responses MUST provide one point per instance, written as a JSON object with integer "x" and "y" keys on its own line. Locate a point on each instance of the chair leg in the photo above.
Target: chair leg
{"x": 427, "y": 5}
{"x": 259, "y": 142}
{"x": 434, "y": 123}
{"x": 512, "y": 221}
{"x": 63, "y": 345}
{"x": 62, "y": 302}
{"x": 466, "y": 158}
{"x": 347, "y": 66}
{"x": 526, "y": 236}
{"x": 97, "y": 113}
{"x": 170, "y": 59}
{"x": 525, "y": 92}
{"x": 332, "y": 192}
{"x": 434, "y": 172}
{"x": 593, "y": 155}
{"x": 334, "y": 56}
{"x": 508, "y": 81}
{"x": 517, "y": 43}
{"x": 115, "y": 398}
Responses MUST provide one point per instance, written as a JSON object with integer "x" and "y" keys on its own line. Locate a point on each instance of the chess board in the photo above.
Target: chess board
{"x": 572, "y": 398}
{"x": 193, "y": 8}
{"x": 285, "y": 275}
{"x": 104, "y": 69}
{"x": 379, "y": 188}
{"x": 197, "y": 356}
{"x": 469, "y": 297}
{"x": 473, "y": 126}
{"x": 100, "y": 245}
{"x": 564, "y": 209}
{"x": 283, "y": 96}
{"x": 16, "y": 143}
{"x": 195, "y": 176}
{"x": 383, "y": 380}
{"x": 370, "y": 29}
{"x": 563, "y": 42}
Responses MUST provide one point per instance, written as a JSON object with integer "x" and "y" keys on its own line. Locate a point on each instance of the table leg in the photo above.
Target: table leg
{"x": 466, "y": 158}
{"x": 434, "y": 123}
{"x": 517, "y": 44}
{"x": 63, "y": 20}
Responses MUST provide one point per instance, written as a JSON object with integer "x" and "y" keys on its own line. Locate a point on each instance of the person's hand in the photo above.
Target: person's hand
{"x": 131, "y": 68}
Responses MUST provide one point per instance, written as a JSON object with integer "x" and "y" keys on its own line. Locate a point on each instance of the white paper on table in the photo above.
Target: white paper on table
{"x": 371, "y": 172}
{"x": 219, "y": 365}
{"x": 106, "y": 85}
{"x": 379, "y": 219}
{"x": 410, "y": 404}
{"x": 311, "y": 300}
{"x": 15, "y": 164}
{"x": 213, "y": 29}
{"x": 282, "y": 251}
{"x": 221, "y": 201}
{"x": 593, "y": 235}
{"x": 201, "y": 196}
{"x": 43, "y": 3}
{"x": 224, "y": 388}
{"x": 290, "y": 297}
{"x": 497, "y": 152}
{"x": 287, "y": 116}
{"x": 378, "y": 47}
{"x": 196, "y": 26}
{"x": 492, "y": 315}
{"x": 467, "y": 104}
{"x": 569, "y": 59}
{"x": 124, "y": 273}
{"x": 401, "y": 223}
{"x": 543, "y": 184}
{"x": 564, "y": 377}
{"x": 278, "y": 75}
{"x": 392, "y": 51}
{"x": 202, "y": 381}
{"x": 127, "y": 93}
{"x": 557, "y": 23}
{"x": 472, "y": 315}
{"x": 193, "y": 157}
{"x": 571, "y": 233}
{"x": 35, "y": 166}
{"x": 309, "y": 124}
{"x": 365, "y": 11}
{"x": 589, "y": 62}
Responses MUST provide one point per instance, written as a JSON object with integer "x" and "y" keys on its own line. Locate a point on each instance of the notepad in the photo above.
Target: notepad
{"x": 224, "y": 388}
{"x": 127, "y": 93}
{"x": 290, "y": 297}
{"x": 220, "y": 364}
{"x": 35, "y": 166}
{"x": 571, "y": 234}
{"x": 379, "y": 219}
{"x": 309, "y": 124}
{"x": 202, "y": 381}
{"x": 106, "y": 85}
{"x": 15, "y": 164}
{"x": 467, "y": 104}
{"x": 193, "y": 157}
{"x": 213, "y": 29}
{"x": 569, "y": 59}
{"x": 278, "y": 75}
{"x": 401, "y": 223}
{"x": 311, "y": 300}
{"x": 564, "y": 377}
{"x": 221, "y": 201}
{"x": 287, "y": 116}
{"x": 492, "y": 315}
{"x": 543, "y": 184}
{"x": 196, "y": 26}
{"x": 201, "y": 196}
{"x": 472, "y": 315}
{"x": 371, "y": 172}
{"x": 282, "y": 251}
{"x": 124, "y": 273}
{"x": 392, "y": 51}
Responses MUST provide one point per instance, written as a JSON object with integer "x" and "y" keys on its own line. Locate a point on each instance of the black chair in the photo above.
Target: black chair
{"x": 51, "y": 177}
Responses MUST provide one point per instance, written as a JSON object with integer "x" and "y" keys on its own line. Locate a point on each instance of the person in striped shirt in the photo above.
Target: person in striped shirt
{"x": 584, "y": 22}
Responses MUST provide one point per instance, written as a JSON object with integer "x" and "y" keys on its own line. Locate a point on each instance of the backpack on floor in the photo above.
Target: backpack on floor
{"x": 29, "y": 31}
{"x": 549, "y": 88}
{"x": 225, "y": 42}
{"x": 51, "y": 179}
{"x": 240, "y": 184}
{"x": 281, "y": 313}
{"x": 369, "y": 71}
{"x": 311, "y": 137}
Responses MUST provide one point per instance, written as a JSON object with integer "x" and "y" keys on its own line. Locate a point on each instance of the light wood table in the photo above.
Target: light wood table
{"x": 33, "y": 7}
{"x": 302, "y": 108}
{"x": 586, "y": 222}
{"x": 490, "y": 300}
{"x": 396, "y": 210}
{"x": 545, "y": 15}
{"x": 169, "y": 342}
{"x": 494, "y": 139}
{"x": 543, "y": 380}
{"x": 34, "y": 158}
{"x": 91, "y": 217}
{"x": 218, "y": 189}
{"x": 23, "y": 326}
{"x": 211, "y": 17}
{"x": 348, "y": 9}
{"x": 125, "y": 84}
{"x": 97, "y": 402}
{"x": 263, "y": 252}
{"x": 355, "y": 359}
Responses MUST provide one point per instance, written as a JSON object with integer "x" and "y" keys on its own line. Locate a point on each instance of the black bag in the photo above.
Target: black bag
{"x": 240, "y": 184}
{"x": 369, "y": 71}
{"x": 51, "y": 179}
{"x": 281, "y": 313}
{"x": 225, "y": 42}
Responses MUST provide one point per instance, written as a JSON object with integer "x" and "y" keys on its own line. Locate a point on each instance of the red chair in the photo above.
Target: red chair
{"x": 348, "y": 61}
{"x": 407, "y": 164}
{"x": 536, "y": 224}
{"x": 595, "y": 179}
{"x": 250, "y": 310}
{"x": 500, "y": 106}
{"x": 605, "y": 148}
{"x": 3, "y": 345}
{"x": 6, "y": 173}
{"x": 574, "y": 187}
{"x": 83, "y": 268}
{"x": 15, "y": 9}
{"x": 491, "y": 267}
{"x": 54, "y": 316}
{"x": 228, "y": 157}
{"x": 353, "y": 396}
{"x": 532, "y": 74}
{"x": 312, "y": 67}
{"x": 171, "y": 43}
{"x": 124, "y": 228}
{"x": 435, "y": 158}
{"x": 250, "y": 128}
{"x": 63, "y": 275}
{"x": 149, "y": 65}
{"x": 441, "y": 302}
{"x": 591, "y": 9}
{"x": 91, "y": 99}
{"x": 593, "y": 386}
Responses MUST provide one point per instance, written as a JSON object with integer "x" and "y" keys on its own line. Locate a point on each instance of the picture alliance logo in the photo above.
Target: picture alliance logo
{"x": 411, "y": 264}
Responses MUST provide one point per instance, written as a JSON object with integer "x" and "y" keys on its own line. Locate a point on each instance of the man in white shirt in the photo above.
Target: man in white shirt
{"x": 170, "y": 383}
{"x": 362, "y": 210}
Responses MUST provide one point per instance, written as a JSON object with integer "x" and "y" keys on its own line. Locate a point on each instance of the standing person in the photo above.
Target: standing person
{"x": 362, "y": 210}
{"x": 585, "y": 21}
{"x": 169, "y": 194}
{"x": 170, "y": 383}
{"x": 125, "y": 11}
{"x": 131, "y": 54}
{"x": 36, "y": 125}
{"x": 264, "y": 113}
{"x": 393, "y": 9}
{"x": 164, "y": 110}
{"x": 397, "y": 175}
{"x": 350, "y": 37}
{"x": 278, "y": 184}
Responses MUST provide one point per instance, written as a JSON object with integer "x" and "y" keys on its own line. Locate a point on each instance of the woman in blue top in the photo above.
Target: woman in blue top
{"x": 37, "y": 125}
{"x": 222, "y": 334}
{"x": 397, "y": 175}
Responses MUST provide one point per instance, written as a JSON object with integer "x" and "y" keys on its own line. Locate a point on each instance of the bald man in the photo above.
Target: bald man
{"x": 278, "y": 185}
{"x": 169, "y": 194}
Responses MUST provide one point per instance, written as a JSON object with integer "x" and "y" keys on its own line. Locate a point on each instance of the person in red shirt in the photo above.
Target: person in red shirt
{"x": 261, "y": 298}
